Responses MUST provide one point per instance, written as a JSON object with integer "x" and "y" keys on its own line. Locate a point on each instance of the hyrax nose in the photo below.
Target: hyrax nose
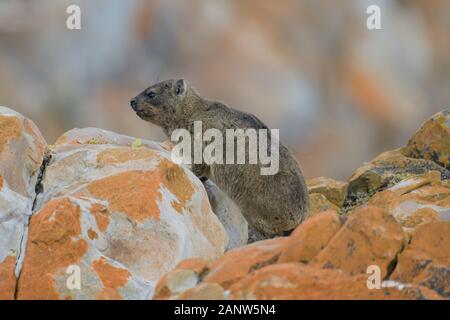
{"x": 133, "y": 104}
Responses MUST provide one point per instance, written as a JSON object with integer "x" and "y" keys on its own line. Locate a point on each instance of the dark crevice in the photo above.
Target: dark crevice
{"x": 37, "y": 190}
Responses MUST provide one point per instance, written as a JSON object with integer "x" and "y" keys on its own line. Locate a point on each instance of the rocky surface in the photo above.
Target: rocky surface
{"x": 392, "y": 213}
{"x": 21, "y": 154}
{"x": 113, "y": 207}
{"x": 115, "y": 211}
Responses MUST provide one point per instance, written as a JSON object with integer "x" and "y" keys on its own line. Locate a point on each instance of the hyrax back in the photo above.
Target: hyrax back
{"x": 272, "y": 204}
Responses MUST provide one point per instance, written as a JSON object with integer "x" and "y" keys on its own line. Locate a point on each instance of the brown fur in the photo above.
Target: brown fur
{"x": 274, "y": 204}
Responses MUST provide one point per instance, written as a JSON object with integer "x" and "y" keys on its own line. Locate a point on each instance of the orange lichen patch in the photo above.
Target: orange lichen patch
{"x": 136, "y": 192}
{"x": 319, "y": 203}
{"x": 297, "y": 281}
{"x": 7, "y": 278}
{"x": 177, "y": 206}
{"x": 311, "y": 237}
{"x": 123, "y": 154}
{"x": 198, "y": 265}
{"x": 10, "y": 129}
{"x": 112, "y": 278}
{"x": 432, "y": 140}
{"x": 430, "y": 245}
{"x": 52, "y": 246}
{"x": 133, "y": 193}
{"x": 101, "y": 215}
{"x": 437, "y": 195}
{"x": 92, "y": 234}
{"x": 109, "y": 294}
{"x": 237, "y": 263}
{"x": 369, "y": 236}
{"x": 177, "y": 181}
{"x": 38, "y": 140}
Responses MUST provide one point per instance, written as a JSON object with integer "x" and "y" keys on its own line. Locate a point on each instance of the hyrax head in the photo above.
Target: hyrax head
{"x": 161, "y": 102}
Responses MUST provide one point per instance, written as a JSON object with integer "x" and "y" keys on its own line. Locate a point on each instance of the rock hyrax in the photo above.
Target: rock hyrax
{"x": 272, "y": 204}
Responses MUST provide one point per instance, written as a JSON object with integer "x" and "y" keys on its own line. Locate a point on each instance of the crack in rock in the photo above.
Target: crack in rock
{"x": 23, "y": 241}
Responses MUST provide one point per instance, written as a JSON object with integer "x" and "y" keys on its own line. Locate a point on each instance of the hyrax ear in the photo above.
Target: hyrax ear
{"x": 180, "y": 87}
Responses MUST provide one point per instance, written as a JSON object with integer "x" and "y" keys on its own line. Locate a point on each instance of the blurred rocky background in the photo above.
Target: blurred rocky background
{"x": 339, "y": 93}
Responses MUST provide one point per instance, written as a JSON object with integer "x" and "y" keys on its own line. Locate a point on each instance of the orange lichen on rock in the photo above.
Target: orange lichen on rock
{"x": 432, "y": 140}
{"x": 136, "y": 192}
{"x": 123, "y": 154}
{"x": 92, "y": 234}
{"x": 101, "y": 215}
{"x": 319, "y": 203}
{"x": 38, "y": 140}
{"x": 176, "y": 180}
{"x": 198, "y": 265}
{"x": 299, "y": 281}
{"x": 133, "y": 193}
{"x": 370, "y": 236}
{"x": 7, "y": 278}
{"x": 112, "y": 278}
{"x": 10, "y": 128}
{"x": 52, "y": 246}
{"x": 430, "y": 243}
{"x": 311, "y": 237}
{"x": 236, "y": 263}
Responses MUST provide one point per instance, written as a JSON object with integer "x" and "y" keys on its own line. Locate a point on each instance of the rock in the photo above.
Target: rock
{"x": 426, "y": 259}
{"x": 229, "y": 215}
{"x": 236, "y": 263}
{"x": 310, "y": 237}
{"x": 95, "y": 136}
{"x": 335, "y": 191}
{"x": 199, "y": 266}
{"x": 319, "y": 203}
{"x": 298, "y": 281}
{"x": 174, "y": 283}
{"x": 432, "y": 140}
{"x": 385, "y": 171}
{"x": 437, "y": 278}
{"x": 8, "y": 277}
{"x": 416, "y": 200}
{"x": 181, "y": 283}
{"x": 22, "y": 150}
{"x": 125, "y": 215}
{"x": 204, "y": 291}
{"x": 370, "y": 236}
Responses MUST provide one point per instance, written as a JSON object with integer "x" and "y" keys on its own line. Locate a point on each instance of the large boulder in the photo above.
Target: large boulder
{"x": 370, "y": 236}
{"x": 432, "y": 140}
{"x": 121, "y": 213}
{"x": 416, "y": 200}
{"x": 426, "y": 260}
{"x": 21, "y": 155}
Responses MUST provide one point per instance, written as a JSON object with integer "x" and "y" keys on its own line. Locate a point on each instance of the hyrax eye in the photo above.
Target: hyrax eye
{"x": 151, "y": 94}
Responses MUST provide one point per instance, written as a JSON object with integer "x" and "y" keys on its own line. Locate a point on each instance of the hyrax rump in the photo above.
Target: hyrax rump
{"x": 272, "y": 204}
